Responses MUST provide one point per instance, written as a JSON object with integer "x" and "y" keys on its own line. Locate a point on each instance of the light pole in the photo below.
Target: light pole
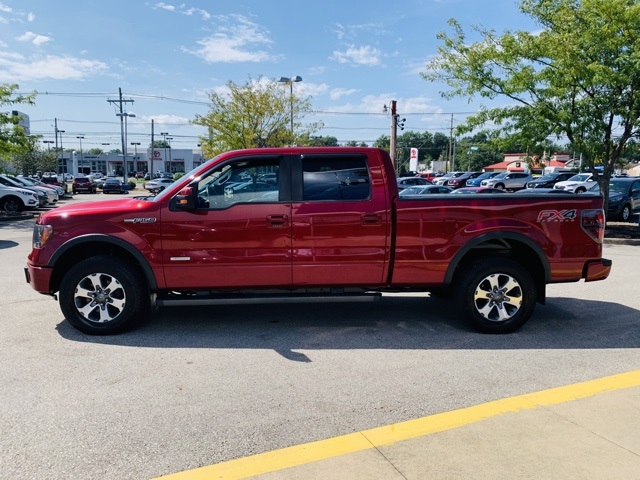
{"x": 170, "y": 159}
{"x": 48, "y": 142}
{"x": 61, "y": 149}
{"x": 80, "y": 137}
{"x": 164, "y": 139}
{"x": 291, "y": 81}
{"x": 135, "y": 155}
{"x": 124, "y": 115}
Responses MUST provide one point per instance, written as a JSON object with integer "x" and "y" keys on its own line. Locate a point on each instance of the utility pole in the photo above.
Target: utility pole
{"x": 394, "y": 133}
{"x": 120, "y": 101}
{"x": 452, "y": 159}
{"x": 153, "y": 151}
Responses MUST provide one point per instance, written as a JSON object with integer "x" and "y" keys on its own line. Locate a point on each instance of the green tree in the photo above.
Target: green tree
{"x": 578, "y": 78}
{"x": 256, "y": 114}
{"x": 12, "y": 136}
{"x": 30, "y": 158}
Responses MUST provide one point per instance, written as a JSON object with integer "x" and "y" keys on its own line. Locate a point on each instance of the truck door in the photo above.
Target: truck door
{"x": 340, "y": 221}
{"x": 240, "y": 234}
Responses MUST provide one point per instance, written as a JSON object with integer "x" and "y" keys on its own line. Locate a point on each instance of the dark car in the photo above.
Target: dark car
{"x": 84, "y": 184}
{"x": 113, "y": 185}
{"x": 475, "y": 181}
{"x": 624, "y": 197}
{"x": 549, "y": 180}
{"x": 461, "y": 180}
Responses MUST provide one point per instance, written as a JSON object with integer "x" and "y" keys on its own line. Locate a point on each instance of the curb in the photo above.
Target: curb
{"x": 622, "y": 241}
{"x": 22, "y": 216}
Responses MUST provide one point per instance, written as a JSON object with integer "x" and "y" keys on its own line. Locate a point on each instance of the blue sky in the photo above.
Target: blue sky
{"x": 353, "y": 57}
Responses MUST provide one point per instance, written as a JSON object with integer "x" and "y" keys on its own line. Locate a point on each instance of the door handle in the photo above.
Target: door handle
{"x": 278, "y": 220}
{"x": 370, "y": 219}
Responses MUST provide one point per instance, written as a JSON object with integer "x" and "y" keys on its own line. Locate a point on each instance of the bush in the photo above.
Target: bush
{"x": 131, "y": 185}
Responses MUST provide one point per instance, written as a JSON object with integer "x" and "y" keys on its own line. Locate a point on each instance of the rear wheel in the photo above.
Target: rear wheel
{"x": 103, "y": 295}
{"x": 496, "y": 294}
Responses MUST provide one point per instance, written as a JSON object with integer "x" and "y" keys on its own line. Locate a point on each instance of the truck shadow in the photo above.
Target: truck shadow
{"x": 407, "y": 322}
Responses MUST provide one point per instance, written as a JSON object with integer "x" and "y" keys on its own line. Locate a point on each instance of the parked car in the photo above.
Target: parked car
{"x": 461, "y": 180}
{"x": 46, "y": 196}
{"x": 30, "y": 182}
{"x": 475, "y": 190}
{"x": 475, "y": 182}
{"x": 14, "y": 199}
{"x": 157, "y": 185}
{"x": 538, "y": 191}
{"x": 431, "y": 176}
{"x": 549, "y": 180}
{"x": 84, "y": 184}
{"x": 624, "y": 197}
{"x": 508, "y": 181}
{"x": 446, "y": 177}
{"x": 140, "y": 175}
{"x": 56, "y": 181}
{"x": 404, "y": 182}
{"x": 114, "y": 185}
{"x": 424, "y": 190}
{"x": 579, "y": 183}
{"x": 147, "y": 176}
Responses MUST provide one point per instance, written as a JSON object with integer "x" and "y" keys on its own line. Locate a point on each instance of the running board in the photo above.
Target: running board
{"x": 256, "y": 300}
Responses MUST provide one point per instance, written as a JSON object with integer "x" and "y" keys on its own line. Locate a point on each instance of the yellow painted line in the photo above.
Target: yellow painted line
{"x": 375, "y": 437}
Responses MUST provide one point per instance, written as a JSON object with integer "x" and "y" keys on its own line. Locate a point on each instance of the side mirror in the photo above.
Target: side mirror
{"x": 185, "y": 199}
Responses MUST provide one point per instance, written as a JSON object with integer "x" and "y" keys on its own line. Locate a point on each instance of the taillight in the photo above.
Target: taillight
{"x": 593, "y": 222}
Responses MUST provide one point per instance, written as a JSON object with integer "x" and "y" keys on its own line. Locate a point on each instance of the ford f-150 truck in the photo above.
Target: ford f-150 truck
{"x": 310, "y": 224}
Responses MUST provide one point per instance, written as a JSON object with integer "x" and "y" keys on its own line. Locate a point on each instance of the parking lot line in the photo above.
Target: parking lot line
{"x": 386, "y": 435}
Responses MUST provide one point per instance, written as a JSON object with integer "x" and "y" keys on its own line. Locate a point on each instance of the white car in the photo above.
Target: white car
{"x": 579, "y": 183}
{"x": 14, "y": 199}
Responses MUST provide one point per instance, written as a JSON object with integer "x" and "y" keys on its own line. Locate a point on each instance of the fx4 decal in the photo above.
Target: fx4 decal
{"x": 548, "y": 216}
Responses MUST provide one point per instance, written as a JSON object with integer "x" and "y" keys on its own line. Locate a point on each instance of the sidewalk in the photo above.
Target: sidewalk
{"x": 589, "y": 430}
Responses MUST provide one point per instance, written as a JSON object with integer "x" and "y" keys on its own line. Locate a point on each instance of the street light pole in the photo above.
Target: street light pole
{"x": 164, "y": 140}
{"x": 291, "y": 81}
{"x": 80, "y": 137}
{"x": 135, "y": 155}
{"x": 170, "y": 159}
{"x": 61, "y": 149}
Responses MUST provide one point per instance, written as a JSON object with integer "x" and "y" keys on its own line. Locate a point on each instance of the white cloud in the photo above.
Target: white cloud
{"x": 5, "y": 8}
{"x": 338, "y": 93}
{"x": 364, "y": 55}
{"x": 239, "y": 40}
{"x": 34, "y": 38}
{"x": 31, "y": 16}
{"x": 14, "y": 67}
{"x": 161, "y": 119}
{"x": 181, "y": 9}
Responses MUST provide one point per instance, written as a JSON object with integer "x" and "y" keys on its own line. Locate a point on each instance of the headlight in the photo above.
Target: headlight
{"x": 616, "y": 199}
{"x": 41, "y": 233}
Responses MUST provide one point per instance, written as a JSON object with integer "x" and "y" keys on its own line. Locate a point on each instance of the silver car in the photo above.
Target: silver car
{"x": 508, "y": 181}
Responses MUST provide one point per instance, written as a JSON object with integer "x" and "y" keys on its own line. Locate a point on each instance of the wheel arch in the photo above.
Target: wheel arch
{"x": 87, "y": 246}
{"x": 518, "y": 247}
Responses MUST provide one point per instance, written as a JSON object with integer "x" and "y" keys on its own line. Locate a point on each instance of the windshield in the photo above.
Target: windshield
{"x": 500, "y": 175}
{"x": 486, "y": 175}
{"x": 618, "y": 187}
{"x": 581, "y": 177}
{"x": 189, "y": 175}
{"x": 545, "y": 178}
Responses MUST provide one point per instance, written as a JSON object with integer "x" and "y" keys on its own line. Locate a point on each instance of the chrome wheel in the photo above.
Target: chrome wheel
{"x": 99, "y": 297}
{"x": 498, "y": 297}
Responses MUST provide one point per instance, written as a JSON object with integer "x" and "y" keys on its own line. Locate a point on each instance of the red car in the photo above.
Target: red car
{"x": 84, "y": 184}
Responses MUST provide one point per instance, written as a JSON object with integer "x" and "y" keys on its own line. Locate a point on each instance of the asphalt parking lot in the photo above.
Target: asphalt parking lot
{"x": 198, "y": 386}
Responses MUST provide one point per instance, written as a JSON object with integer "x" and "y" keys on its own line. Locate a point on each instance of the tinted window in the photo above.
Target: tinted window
{"x": 335, "y": 179}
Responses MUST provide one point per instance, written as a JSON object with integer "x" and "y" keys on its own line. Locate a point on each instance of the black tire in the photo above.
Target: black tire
{"x": 500, "y": 186}
{"x": 11, "y": 205}
{"x": 92, "y": 307}
{"x": 625, "y": 214}
{"x": 496, "y": 294}
{"x": 581, "y": 190}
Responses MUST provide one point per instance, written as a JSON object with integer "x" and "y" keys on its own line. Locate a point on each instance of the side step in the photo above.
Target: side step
{"x": 267, "y": 299}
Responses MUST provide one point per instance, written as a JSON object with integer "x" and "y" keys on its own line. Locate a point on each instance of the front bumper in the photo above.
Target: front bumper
{"x": 39, "y": 278}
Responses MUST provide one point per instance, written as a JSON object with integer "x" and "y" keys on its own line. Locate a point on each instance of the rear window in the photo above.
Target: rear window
{"x": 335, "y": 179}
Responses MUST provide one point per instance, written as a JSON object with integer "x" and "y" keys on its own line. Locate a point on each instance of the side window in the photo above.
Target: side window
{"x": 242, "y": 181}
{"x": 335, "y": 179}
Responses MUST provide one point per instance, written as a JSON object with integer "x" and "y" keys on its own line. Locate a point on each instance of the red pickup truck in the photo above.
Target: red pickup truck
{"x": 310, "y": 224}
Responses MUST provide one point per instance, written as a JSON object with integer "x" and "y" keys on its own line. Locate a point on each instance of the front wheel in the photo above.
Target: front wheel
{"x": 496, "y": 294}
{"x": 500, "y": 186}
{"x": 625, "y": 215}
{"x": 581, "y": 190}
{"x": 104, "y": 295}
{"x": 11, "y": 205}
